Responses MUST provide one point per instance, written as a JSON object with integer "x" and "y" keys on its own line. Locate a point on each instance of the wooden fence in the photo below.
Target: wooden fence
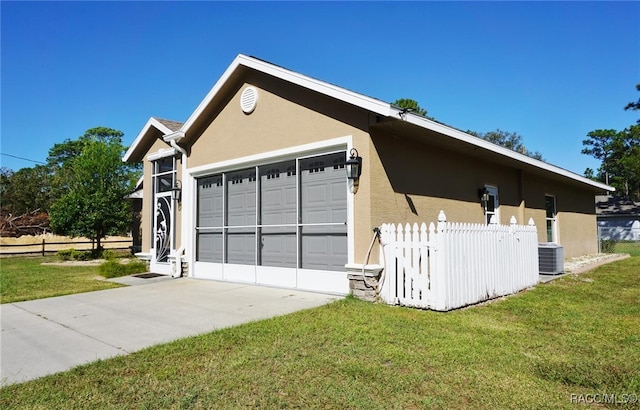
{"x": 41, "y": 248}
{"x": 451, "y": 265}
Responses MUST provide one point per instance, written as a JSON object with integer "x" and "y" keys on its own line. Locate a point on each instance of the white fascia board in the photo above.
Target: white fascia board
{"x": 368, "y": 103}
{"x": 377, "y": 107}
{"x": 152, "y": 122}
{"x": 162, "y": 153}
{"x": 479, "y": 142}
{"x": 174, "y": 136}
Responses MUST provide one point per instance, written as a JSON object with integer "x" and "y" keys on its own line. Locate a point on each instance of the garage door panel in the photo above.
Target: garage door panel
{"x": 241, "y": 247}
{"x": 209, "y": 247}
{"x": 278, "y": 194}
{"x": 278, "y": 247}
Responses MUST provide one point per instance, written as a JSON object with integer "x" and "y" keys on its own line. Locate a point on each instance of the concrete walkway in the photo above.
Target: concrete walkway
{"x": 46, "y": 336}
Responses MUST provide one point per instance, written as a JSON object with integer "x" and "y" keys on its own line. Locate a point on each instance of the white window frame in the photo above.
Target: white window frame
{"x": 551, "y": 220}
{"x": 492, "y": 190}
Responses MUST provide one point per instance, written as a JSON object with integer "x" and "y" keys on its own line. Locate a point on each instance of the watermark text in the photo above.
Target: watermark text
{"x": 604, "y": 398}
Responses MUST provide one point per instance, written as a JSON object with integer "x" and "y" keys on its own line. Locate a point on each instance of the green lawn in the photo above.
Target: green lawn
{"x": 578, "y": 335}
{"x": 26, "y": 279}
{"x": 632, "y": 248}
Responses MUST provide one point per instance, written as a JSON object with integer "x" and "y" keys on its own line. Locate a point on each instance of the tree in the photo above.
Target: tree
{"x": 619, "y": 153}
{"x": 510, "y": 140}
{"x": 601, "y": 145}
{"x": 61, "y": 155}
{"x": 634, "y": 106}
{"x": 411, "y": 106}
{"x": 26, "y": 190}
{"x": 94, "y": 204}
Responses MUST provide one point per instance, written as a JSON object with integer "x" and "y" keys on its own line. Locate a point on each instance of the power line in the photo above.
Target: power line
{"x": 24, "y": 159}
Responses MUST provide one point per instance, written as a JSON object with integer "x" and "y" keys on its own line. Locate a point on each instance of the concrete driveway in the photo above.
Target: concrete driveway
{"x": 47, "y": 336}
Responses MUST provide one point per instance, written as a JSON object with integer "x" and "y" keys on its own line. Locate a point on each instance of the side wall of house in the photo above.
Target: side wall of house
{"x": 412, "y": 181}
{"x": 576, "y": 219}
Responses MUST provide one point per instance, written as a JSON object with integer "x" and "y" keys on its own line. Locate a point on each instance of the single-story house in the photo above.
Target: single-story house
{"x": 252, "y": 187}
{"x": 618, "y": 218}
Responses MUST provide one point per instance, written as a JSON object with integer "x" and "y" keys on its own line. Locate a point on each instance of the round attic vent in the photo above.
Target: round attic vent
{"x": 248, "y": 100}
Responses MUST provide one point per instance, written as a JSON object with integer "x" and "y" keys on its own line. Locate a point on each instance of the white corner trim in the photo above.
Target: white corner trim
{"x": 162, "y": 153}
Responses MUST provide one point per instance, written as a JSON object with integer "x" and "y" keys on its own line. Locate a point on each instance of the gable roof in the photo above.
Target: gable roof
{"x": 166, "y": 127}
{"x": 242, "y": 62}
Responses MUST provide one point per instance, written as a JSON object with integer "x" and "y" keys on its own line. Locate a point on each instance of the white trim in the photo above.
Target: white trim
{"x": 554, "y": 220}
{"x": 151, "y": 122}
{"x": 282, "y": 154}
{"x": 378, "y": 107}
{"x": 174, "y": 136}
{"x": 479, "y": 142}
{"x": 359, "y": 100}
{"x": 322, "y": 87}
{"x": 162, "y": 153}
{"x": 493, "y": 191}
{"x": 326, "y": 281}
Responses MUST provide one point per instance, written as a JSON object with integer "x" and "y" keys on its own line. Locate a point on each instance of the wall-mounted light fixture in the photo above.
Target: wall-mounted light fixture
{"x": 483, "y": 193}
{"x": 176, "y": 191}
{"x": 354, "y": 170}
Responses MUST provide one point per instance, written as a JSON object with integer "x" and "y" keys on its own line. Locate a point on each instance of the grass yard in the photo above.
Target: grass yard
{"x": 632, "y": 248}
{"x": 562, "y": 341}
{"x": 23, "y": 278}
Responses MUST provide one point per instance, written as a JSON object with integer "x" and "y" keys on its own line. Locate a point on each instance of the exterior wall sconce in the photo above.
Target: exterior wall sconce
{"x": 354, "y": 170}
{"x": 176, "y": 191}
{"x": 483, "y": 193}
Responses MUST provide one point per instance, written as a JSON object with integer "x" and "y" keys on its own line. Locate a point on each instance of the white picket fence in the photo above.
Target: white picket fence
{"x": 451, "y": 265}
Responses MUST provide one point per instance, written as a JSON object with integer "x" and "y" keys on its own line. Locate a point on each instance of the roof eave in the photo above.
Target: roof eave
{"x": 151, "y": 122}
{"x": 479, "y": 142}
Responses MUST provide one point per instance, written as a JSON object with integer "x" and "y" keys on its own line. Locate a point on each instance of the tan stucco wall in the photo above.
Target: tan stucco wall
{"x": 279, "y": 123}
{"x": 412, "y": 181}
{"x": 404, "y": 179}
{"x": 576, "y": 219}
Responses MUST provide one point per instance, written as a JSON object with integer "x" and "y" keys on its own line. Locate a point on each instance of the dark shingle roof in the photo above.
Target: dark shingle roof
{"x": 172, "y": 125}
{"x": 613, "y": 205}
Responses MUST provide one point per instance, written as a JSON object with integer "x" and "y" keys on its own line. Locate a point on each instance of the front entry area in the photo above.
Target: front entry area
{"x": 281, "y": 224}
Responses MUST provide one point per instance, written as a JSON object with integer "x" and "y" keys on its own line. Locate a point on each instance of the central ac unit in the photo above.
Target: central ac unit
{"x": 550, "y": 258}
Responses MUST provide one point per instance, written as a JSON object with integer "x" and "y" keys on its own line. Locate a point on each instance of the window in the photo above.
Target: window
{"x": 550, "y": 206}
{"x": 492, "y": 205}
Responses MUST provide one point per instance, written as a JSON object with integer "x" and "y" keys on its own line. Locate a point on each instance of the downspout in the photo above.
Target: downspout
{"x": 172, "y": 139}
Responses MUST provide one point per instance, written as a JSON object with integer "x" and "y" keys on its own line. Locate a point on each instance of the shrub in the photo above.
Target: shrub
{"x": 112, "y": 268}
{"x": 65, "y": 254}
{"x": 608, "y": 245}
{"x": 108, "y": 254}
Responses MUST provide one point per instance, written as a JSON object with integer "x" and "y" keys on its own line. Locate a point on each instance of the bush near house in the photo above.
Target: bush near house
{"x": 114, "y": 268}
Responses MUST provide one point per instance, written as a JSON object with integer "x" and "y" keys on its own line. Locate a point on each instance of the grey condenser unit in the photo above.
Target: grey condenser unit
{"x": 550, "y": 258}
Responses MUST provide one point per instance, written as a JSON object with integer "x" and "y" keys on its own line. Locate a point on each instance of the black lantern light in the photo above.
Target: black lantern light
{"x": 354, "y": 165}
{"x": 176, "y": 191}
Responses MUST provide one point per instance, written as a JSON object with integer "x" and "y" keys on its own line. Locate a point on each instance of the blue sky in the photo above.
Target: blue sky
{"x": 550, "y": 71}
